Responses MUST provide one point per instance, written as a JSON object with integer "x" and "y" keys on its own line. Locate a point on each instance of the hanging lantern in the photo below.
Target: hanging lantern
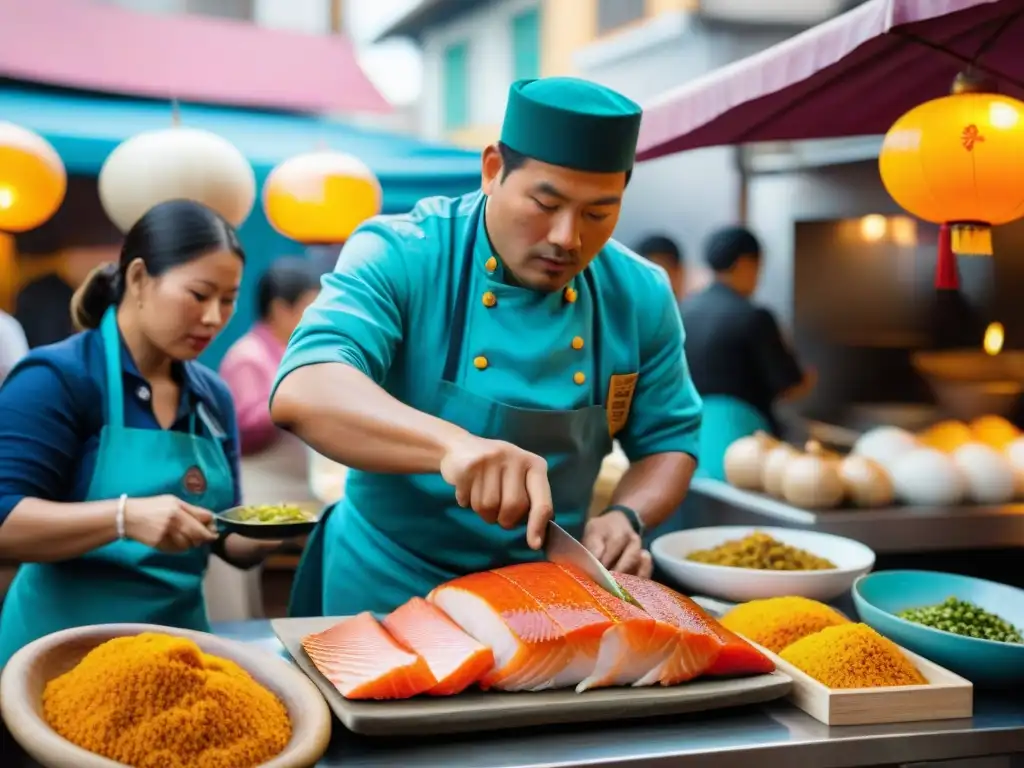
{"x": 32, "y": 179}
{"x": 176, "y": 163}
{"x": 321, "y": 197}
{"x": 958, "y": 161}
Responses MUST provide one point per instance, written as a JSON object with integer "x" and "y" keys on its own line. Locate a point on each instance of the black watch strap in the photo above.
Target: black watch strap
{"x": 631, "y": 515}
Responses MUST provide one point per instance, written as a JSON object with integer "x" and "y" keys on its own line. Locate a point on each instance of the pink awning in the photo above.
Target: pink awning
{"x": 92, "y": 46}
{"x": 853, "y": 75}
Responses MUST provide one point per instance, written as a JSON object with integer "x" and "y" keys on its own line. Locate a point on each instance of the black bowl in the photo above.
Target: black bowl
{"x": 228, "y": 522}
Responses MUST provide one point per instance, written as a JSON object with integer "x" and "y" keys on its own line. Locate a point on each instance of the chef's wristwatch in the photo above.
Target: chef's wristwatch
{"x": 631, "y": 515}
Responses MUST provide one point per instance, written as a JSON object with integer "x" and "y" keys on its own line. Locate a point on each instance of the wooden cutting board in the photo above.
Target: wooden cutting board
{"x": 492, "y": 710}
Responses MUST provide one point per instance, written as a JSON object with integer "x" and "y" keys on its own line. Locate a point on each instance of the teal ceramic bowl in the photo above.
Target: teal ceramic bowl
{"x": 881, "y": 595}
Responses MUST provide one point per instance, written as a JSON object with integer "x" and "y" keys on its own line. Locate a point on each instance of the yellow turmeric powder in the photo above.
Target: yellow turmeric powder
{"x": 158, "y": 701}
{"x": 852, "y": 656}
{"x": 779, "y": 621}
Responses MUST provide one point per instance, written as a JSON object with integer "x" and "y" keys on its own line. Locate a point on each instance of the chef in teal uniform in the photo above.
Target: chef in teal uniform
{"x": 473, "y": 360}
{"x": 116, "y": 446}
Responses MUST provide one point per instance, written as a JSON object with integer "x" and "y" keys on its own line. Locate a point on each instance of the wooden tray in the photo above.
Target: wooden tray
{"x": 480, "y": 711}
{"x": 946, "y": 697}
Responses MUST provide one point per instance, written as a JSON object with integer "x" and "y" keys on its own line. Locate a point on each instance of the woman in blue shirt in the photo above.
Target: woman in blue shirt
{"x": 115, "y": 445}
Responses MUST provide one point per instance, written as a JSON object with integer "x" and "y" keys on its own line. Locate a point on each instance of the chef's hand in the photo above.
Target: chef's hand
{"x": 167, "y": 523}
{"x": 502, "y": 483}
{"x": 613, "y": 541}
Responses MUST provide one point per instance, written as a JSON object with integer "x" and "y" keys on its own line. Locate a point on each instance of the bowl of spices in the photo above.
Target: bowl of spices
{"x": 118, "y": 695}
{"x": 741, "y": 563}
{"x": 970, "y": 626}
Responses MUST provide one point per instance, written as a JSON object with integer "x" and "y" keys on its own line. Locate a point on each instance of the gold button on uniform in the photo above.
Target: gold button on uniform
{"x": 579, "y": 377}
{"x": 489, "y": 299}
{"x": 577, "y": 343}
{"x": 491, "y": 264}
{"x": 570, "y": 294}
{"x": 480, "y": 362}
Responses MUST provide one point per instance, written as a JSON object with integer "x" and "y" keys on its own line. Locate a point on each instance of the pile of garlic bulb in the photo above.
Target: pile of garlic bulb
{"x": 813, "y": 478}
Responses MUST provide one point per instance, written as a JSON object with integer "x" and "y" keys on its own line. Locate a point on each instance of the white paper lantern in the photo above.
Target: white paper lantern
{"x": 176, "y": 163}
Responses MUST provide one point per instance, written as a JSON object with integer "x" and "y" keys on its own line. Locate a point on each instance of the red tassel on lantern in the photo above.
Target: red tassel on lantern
{"x": 947, "y": 277}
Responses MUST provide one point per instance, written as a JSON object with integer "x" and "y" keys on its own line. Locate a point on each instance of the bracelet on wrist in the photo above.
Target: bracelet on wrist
{"x": 122, "y": 505}
{"x": 631, "y": 514}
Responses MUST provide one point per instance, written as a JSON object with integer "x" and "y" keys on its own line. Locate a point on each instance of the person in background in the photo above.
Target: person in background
{"x": 13, "y": 344}
{"x": 664, "y": 252}
{"x": 250, "y": 365}
{"x": 738, "y": 359}
{"x": 116, "y": 446}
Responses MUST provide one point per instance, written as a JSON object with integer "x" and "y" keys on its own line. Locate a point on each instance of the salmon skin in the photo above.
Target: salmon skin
{"x": 455, "y": 659}
{"x": 572, "y": 608}
{"x": 734, "y": 656}
{"x": 530, "y": 649}
{"x": 363, "y": 661}
{"x": 635, "y": 644}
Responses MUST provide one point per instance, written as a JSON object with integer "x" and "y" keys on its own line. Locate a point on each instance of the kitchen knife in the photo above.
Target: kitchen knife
{"x": 561, "y": 547}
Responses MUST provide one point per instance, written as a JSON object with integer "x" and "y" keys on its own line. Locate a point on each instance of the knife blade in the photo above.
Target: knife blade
{"x": 561, "y": 547}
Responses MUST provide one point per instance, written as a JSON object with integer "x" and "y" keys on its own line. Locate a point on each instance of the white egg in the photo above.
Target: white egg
{"x": 885, "y": 444}
{"x": 927, "y": 477}
{"x": 989, "y": 474}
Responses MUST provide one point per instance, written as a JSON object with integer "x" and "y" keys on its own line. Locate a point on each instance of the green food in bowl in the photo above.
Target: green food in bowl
{"x": 273, "y": 514}
{"x": 963, "y": 618}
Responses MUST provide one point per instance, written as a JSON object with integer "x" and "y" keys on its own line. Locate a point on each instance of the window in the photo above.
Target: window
{"x": 455, "y": 86}
{"x": 526, "y": 45}
{"x": 241, "y": 10}
{"x": 612, "y": 14}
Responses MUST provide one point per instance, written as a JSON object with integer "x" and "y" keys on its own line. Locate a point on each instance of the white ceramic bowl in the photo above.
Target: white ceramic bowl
{"x": 30, "y": 669}
{"x": 852, "y": 560}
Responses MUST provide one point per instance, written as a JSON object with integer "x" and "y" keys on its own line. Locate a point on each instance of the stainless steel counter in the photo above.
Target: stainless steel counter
{"x": 894, "y": 529}
{"x": 776, "y": 735}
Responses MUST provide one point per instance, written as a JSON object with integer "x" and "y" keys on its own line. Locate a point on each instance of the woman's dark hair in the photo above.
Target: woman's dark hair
{"x": 168, "y": 235}
{"x": 287, "y": 279}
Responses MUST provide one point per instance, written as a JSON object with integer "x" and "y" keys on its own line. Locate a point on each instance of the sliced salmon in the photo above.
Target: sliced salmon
{"x": 529, "y": 647}
{"x": 735, "y": 656}
{"x": 635, "y": 644}
{"x": 699, "y": 646}
{"x": 364, "y": 662}
{"x": 455, "y": 659}
{"x": 571, "y": 607}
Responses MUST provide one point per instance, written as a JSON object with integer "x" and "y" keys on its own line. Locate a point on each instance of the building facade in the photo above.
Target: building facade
{"x": 474, "y": 49}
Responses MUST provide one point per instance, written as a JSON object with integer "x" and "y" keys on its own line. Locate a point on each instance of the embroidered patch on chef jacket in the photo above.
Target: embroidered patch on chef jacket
{"x": 620, "y": 397}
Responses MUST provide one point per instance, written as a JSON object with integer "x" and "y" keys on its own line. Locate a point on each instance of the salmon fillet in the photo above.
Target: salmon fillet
{"x": 734, "y": 655}
{"x": 571, "y": 607}
{"x": 635, "y": 644}
{"x": 364, "y": 662}
{"x": 529, "y": 648}
{"x": 699, "y": 646}
{"x": 455, "y": 659}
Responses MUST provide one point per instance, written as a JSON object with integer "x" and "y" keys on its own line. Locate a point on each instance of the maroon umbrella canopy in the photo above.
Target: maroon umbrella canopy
{"x": 853, "y": 75}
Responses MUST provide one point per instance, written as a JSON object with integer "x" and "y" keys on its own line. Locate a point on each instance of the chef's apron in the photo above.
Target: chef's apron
{"x": 725, "y": 419}
{"x": 396, "y": 536}
{"x": 126, "y": 581}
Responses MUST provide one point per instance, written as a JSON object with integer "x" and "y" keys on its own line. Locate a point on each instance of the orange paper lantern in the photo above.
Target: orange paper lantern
{"x": 958, "y": 161}
{"x": 32, "y": 179}
{"x": 320, "y": 197}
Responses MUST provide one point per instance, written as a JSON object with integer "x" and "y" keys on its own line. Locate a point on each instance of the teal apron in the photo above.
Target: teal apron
{"x": 126, "y": 581}
{"x": 725, "y": 420}
{"x": 395, "y": 536}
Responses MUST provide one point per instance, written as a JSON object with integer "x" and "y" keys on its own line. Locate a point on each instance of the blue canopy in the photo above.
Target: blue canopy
{"x": 85, "y": 128}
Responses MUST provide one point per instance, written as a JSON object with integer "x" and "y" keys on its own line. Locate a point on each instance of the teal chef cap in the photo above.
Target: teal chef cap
{"x": 572, "y": 123}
